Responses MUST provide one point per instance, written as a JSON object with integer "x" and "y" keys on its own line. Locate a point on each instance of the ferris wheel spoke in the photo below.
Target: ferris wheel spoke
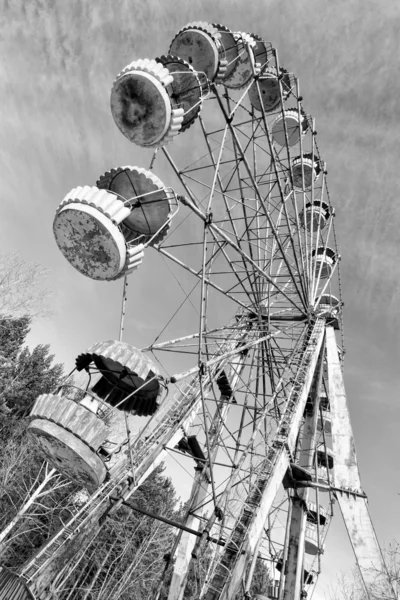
{"x": 231, "y": 264}
{"x": 223, "y": 192}
{"x": 286, "y": 147}
{"x": 245, "y": 162}
{"x": 281, "y": 185}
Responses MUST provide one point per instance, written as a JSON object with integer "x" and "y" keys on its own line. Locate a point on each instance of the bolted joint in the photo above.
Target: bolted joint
{"x": 209, "y": 219}
{"x": 219, "y": 513}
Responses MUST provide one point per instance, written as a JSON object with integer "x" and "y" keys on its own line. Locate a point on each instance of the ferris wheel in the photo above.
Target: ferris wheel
{"x": 235, "y": 200}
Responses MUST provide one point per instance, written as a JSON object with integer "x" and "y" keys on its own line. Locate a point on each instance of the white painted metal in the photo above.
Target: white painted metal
{"x": 164, "y": 429}
{"x": 199, "y": 492}
{"x": 347, "y": 477}
{"x": 293, "y": 575}
{"x": 243, "y": 541}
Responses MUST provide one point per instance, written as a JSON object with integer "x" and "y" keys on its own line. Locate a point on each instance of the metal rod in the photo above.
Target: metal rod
{"x": 170, "y": 522}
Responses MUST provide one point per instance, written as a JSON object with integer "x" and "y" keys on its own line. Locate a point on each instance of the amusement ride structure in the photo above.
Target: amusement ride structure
{"x": 257, "y": 401}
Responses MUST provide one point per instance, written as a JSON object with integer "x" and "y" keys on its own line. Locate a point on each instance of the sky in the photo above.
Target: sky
{"x": 56, "y": 132}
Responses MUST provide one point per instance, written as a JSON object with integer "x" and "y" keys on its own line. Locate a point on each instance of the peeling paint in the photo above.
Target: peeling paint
{"x": 90, "y": 242}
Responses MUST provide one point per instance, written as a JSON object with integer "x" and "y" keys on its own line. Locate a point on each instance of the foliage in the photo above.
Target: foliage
{"x": 350, "y": 586}
{"x": 21, "y": 291}
{"x": 22, "y": 471}
{"x": 126, "y": 559}
{"x": 32, "y": 496}
{"x": 24, "y": 374}
{"x": 129, "y": 557}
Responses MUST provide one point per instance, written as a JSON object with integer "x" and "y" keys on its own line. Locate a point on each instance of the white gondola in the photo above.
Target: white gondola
{"x": 86, "y": 229}
{"x": 324, "y": 423}
{"x": 312, "y": 514}
{"x": 315, "y": 214}
{"x": 324, "y": 260}
{"x": 243, "y": 62}
{"x": 152, "y": 204}
{"x": 325, "y": 463}
{"x": 312, "y": 545}
{"x": 329, "y": 301}
{"x": 81, "y": 435}
{"x": 305, "y": 165}
{"x": 324, "y": 401}
{"x": 270, "y": 92}
{"x": 185, "y": 90}
{"x": 200, "y": 45}
{"x": 262, "y": 51}
{"x": 295, "y": 126}
{"x": 141, "y": 106}
{"x": 102, "y": 231}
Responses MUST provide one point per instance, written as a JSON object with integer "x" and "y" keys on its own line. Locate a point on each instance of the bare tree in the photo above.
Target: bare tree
{"x": 21, "y": 288}
{"x": 46, "y": 482}
{"x": 34, "y": 499}
{"x": 351, "y": 587}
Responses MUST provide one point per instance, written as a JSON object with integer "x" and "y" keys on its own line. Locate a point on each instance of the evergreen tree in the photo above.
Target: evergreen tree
{"x": 126, "y": 559}
{"x": 24, "y": 374}
{"x": 12, "y": 336}
{"x": 128, "y": 556}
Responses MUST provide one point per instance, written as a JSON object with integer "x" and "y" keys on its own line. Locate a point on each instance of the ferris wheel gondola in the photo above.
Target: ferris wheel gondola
{"x": 102, "y": 231}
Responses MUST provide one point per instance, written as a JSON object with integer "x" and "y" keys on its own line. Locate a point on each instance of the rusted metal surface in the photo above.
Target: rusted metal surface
{"x": 90, "y": 242}
{"x": 73, "y": 417}
{"x": 68, "y": 454}
{"x": 185, "y": 90}
{"x": 346, "y": 475}
{"x": 249, "y": 526}
{"x": 199, "y": 44}
{"x": 290, "y": 119}
{"x": 178, "y": 411}
{"x": 107, "y": 204}
{"x": 231, "y": 50}
{"x": 243, "y": 70}
{"x": 297, "y": 542}
{"x": 201, "y": 484}
{"x": 304, "y": 164}
{"x": 140, "y": 104}
{"x": 122, "y": 353}
{"x": 270, "y": 95}
{"x": 151, "y": 205}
